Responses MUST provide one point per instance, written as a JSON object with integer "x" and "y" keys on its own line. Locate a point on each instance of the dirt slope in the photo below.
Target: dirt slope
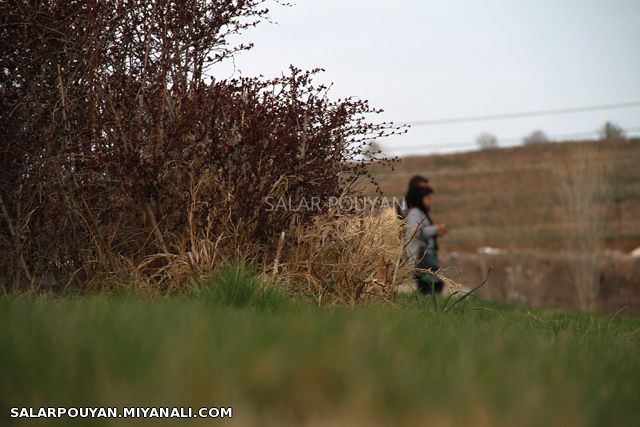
{"x": 509, "y": 198}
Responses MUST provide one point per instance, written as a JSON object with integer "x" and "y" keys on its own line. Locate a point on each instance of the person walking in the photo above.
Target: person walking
{"x": 422, "y": 234}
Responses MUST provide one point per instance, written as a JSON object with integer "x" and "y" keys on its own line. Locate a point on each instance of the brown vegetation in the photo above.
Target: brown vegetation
{"x": 344, "y": 259}
{"x": 122, "y": 161}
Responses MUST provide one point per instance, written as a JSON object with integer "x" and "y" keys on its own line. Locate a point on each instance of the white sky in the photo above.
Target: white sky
{"x": 424, "y": 60}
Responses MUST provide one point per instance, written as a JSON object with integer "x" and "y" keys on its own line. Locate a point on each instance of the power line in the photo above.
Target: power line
{"x": 459, "y": 144}
{"x": 523, "y": 114}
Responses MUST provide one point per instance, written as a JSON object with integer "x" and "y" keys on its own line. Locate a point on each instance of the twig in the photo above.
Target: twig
{"x": 276, "y": 260}
{"x": 156, "y": 229}
{"x": 12, "y": 230}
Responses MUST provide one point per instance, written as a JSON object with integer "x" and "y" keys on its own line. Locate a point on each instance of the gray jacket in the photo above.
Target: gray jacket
{"x": 421, "y": 249}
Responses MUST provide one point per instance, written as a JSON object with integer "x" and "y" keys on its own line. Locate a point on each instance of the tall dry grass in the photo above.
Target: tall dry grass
{"x": 343, "y": 258}
{"x": 338, "y": 258}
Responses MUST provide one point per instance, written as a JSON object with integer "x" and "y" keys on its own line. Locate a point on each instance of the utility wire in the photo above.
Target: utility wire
{"x": 523, "y": 114}
{"x": 552, "y": 138}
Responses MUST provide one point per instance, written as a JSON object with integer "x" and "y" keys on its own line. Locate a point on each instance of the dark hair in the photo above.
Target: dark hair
{"x": 417, "y": 180}
{"x": 414, "y": 197}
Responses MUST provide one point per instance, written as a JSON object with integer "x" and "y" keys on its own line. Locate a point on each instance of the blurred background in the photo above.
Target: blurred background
{"x": 456, "y": 70}
{"x": 525, "y": 116}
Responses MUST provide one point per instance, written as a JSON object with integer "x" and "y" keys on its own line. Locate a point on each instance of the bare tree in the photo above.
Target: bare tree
{"x": 487, "y": 141}
{"x": 536, "y": 137}
{"x": 611, "y": 132}
{"x": 582, "y": 186}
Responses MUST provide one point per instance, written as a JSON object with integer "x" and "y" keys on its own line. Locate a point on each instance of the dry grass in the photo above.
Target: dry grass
{"x": 343, "y": 259}
{"x": 340, "y": 258}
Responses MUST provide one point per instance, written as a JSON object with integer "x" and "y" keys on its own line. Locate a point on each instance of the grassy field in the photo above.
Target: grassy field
{"x": 277, "y": 361}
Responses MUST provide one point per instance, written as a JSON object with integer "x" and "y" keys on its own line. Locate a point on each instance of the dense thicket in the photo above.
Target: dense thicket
{"x": 115, "y": 145}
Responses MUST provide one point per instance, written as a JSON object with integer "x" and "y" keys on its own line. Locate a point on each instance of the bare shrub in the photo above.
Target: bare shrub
{"x": 582, "y": 179}
{"x": 119, "y": 155}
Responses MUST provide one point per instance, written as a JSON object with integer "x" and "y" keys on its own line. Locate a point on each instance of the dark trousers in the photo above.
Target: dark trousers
{"x": 428, "y": 283}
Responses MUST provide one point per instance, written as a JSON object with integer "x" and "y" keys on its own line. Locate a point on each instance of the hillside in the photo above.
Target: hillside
{"x": 509, "y": 197}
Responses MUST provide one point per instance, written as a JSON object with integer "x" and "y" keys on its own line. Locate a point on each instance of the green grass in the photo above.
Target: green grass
{"x": 281, "y": 362}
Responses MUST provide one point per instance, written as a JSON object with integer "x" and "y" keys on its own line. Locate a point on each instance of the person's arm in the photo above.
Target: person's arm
{"x": 428, "y": 231}
{"x": 425, "y": 230}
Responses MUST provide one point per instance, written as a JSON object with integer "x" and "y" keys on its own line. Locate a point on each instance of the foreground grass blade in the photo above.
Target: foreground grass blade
{"x": 466, "y": 295}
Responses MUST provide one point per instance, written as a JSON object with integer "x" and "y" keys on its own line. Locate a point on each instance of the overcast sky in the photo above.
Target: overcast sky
{"x": 427, "y": 60}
